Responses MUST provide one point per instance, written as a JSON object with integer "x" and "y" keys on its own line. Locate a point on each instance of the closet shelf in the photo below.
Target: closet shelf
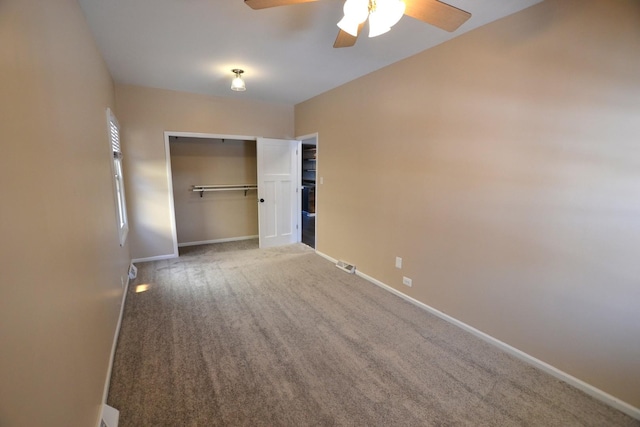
{"x": 220, "y": 187}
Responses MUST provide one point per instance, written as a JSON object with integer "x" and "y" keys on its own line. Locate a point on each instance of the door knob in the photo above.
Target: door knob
{"x": 261, "y": 200}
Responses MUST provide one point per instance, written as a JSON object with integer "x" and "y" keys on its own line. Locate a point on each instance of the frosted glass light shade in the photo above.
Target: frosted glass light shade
{"x": 376, "y": 25}
{"x": 386, "y": 15}
{"x": 355, "y": 13}
{"x": 237, "y": 84}
{"x": 349, "y": 25}
{"x": 356, "y": 9}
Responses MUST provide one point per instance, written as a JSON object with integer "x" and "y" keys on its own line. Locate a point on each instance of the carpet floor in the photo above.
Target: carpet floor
{"x": 232, "y": 335}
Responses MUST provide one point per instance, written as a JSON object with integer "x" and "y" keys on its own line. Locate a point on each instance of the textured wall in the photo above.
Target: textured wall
{"x": 61, "y": 262}
{"x": 503, "y": 166}
{"x": 145, "y": 114}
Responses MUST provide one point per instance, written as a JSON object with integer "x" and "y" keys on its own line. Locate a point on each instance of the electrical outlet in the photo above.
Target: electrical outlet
{"x": 406, "y": 281}
{"x": 122, "y": 280}
{"x": 398, "y": 262}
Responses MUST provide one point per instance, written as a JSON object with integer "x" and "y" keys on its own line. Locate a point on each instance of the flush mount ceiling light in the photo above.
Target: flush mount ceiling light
{"x": 237, "y": 83}
{"x": 382, "y": 14}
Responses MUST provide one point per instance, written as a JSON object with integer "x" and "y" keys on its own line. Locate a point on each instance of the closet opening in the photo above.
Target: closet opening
{"x": 308, "y": 185}
{"x": 214, "y": 182}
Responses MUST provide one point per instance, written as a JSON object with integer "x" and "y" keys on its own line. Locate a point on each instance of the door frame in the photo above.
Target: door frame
{"x": 302, "y": 139}
{"x": 167, "y": 151}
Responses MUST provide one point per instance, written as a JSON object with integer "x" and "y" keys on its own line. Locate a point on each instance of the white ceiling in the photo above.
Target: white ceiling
{"x": 286, "y": 52}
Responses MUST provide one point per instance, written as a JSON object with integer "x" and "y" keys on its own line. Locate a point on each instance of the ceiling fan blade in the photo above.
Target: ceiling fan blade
{"x": 263, "y": 4}
{"x": 436, "y": 13}
{"x": 345, "y": 39}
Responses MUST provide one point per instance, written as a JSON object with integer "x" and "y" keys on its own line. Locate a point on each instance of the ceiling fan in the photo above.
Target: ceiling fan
{"x": 382, "y": 15}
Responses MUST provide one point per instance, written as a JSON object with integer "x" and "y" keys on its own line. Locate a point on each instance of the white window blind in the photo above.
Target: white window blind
{"x": 114, "y": 134}
{"x": 118, "y": 179}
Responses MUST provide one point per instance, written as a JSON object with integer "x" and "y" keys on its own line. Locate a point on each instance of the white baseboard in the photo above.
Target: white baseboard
{"x": 327, "y": 257}
{"x": 155, "y": 258}
{"x": 105, "y": 392}
{"x": 603, "y": 396}
{"x": 208, "y": 242}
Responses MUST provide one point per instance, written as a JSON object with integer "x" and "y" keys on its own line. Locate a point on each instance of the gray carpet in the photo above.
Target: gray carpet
{"x": 229, "y": 334}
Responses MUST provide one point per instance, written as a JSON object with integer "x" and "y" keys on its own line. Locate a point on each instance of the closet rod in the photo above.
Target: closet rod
{"x": 243, "y": 187}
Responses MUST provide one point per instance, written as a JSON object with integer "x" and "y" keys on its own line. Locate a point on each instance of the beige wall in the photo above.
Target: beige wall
{"x": 504, "y": 168}
{"x": 145, "y": 114}
{"x": 61, "y": 262}
{"x": 215, "y": 215}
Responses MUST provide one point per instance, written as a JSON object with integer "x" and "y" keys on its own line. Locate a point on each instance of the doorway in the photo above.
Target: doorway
{"x": 225, "y": 170}
{"x": 308, "y": 184}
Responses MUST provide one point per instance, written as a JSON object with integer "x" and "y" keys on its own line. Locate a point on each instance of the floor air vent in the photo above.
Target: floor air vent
{"x": 110, "y": 416}
{"x": 342, "y": 265}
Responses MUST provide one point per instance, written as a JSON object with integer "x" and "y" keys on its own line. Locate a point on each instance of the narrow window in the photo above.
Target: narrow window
{"x": 118, "y": 180}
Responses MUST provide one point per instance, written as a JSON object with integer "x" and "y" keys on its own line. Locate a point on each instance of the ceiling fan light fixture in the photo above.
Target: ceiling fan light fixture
{"x": 358, "y": 10}
{"x": 237, "y": 84}
{"x": 384, "y": 15}
{"x": 349, "y": 25}
{"x": 377, "y": 24}
{"x": 355, "y": 13}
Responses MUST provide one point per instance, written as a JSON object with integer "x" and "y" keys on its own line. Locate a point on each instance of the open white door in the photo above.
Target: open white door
{"x": 277, "y": 191}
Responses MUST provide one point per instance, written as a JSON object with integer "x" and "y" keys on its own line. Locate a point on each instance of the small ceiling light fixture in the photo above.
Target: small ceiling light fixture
{"x": 237, "y": 83}
{"x": 382, "y": 14}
